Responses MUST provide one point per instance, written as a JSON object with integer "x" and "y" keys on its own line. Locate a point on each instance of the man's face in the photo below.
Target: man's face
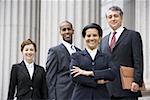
{"x": 66, "y": 32}
{"x": 114, "y": 19}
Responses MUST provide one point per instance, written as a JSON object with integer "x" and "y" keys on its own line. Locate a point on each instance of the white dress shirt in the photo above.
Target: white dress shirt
{"x": 70, "y": 47}
{"x": 117, "y": 35}
{"x": 30, "y": 68}
{"x": 92, "y": 53}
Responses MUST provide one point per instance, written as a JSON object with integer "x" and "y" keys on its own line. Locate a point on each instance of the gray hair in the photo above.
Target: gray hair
{"x": 116, "y": 8}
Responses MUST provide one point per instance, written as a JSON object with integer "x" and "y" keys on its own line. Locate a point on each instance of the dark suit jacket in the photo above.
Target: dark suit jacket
{"x": 86, "y": 88}
{"x": 35, "y": 89}
{"x": 128, "y": 52}
{"x": 59, "y": 83}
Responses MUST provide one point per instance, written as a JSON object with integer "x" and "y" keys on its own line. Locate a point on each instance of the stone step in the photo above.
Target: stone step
{"x": 146, "y": 93}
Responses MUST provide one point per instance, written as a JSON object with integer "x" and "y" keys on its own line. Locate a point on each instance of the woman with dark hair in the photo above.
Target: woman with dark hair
{"x": 91, "y": 69}
{"x": 27, "y": 79}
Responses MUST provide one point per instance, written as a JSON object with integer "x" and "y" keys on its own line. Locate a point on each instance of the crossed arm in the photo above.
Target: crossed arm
{"x": 76, "y": 71}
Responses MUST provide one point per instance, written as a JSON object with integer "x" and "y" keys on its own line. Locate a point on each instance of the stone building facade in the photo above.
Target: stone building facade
{"x": 39, "y": 20}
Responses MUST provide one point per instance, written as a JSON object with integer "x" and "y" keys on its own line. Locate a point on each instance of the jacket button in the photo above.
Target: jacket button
{"x": 31, "y": 88}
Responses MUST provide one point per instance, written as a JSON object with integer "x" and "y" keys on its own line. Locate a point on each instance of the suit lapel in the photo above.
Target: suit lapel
{"x": 65, "y": 51}
{"x": 35, "y": 71}
{"x": 77, "y": 49}
{"x": 24, "y": 69}
{"x": 122, "y": 36}
{"x": 107, "y": 41}
{"x": 98, "y": 54}
{"x": 85, "y": 53}
{"x": 106, "y": 44}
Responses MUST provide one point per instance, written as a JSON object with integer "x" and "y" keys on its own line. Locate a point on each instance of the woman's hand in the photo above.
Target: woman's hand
{"x": 76, "y": 71}
{"x": 102, "y": 81}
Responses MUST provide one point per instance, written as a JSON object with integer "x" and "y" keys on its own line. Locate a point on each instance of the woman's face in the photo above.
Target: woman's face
{"x": 28, "y": 53}
{"x": 92, "y": 38}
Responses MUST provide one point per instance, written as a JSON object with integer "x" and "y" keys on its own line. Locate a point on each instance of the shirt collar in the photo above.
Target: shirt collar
{"x": 91, "y": 51}
{"x": 117, "y": 35}
{"x": 119, "y": 30}
{"x": 66, "y": 43}
{"x": 27, "y": 64}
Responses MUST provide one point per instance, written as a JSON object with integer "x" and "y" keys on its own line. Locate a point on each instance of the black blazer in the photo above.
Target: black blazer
{"x": 86, "y": 88}
{"x": 128, "y": 52}
{"x": 35, "y": 89}
{"x": 60, "y": 86}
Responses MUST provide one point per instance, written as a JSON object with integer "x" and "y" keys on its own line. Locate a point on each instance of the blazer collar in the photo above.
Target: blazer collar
{"x": 25, "y": 70}
{"x": 122, "y": 36}
{"x": 35, "y": 71}
{"x": 85, "y": 53}
{"x": 65, "y": 51}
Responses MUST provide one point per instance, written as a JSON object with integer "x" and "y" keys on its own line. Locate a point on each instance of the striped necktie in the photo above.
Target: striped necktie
{"x": 113, "y": 41}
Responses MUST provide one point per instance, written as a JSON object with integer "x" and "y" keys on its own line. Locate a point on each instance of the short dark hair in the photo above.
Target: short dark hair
{"x": 27, "y": 42}
{"x": 116, "y": 8}
{"x": 92, "y": 25}
{"x": 66, "y": 21}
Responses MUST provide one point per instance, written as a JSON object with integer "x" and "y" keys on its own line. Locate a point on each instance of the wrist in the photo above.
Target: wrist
{"x": 90, "y": 73}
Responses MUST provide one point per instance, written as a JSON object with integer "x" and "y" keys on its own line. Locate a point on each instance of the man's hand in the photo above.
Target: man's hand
{"x": 134, "y": 87}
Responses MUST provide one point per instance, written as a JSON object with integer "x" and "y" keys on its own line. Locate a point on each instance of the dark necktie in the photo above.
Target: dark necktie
{"x": 113, "y": 41}
{"x": 72, "y": 49}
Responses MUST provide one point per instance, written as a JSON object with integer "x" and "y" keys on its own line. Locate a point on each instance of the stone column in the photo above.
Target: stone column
{"x": 142, "y": 24}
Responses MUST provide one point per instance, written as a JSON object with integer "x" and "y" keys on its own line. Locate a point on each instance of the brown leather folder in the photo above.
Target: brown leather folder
{"x": 127, "y": 77}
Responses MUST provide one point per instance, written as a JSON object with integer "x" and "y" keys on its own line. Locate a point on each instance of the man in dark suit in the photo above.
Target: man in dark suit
{"x": 60, "y": 86}
{"x": 125, "y": 48}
